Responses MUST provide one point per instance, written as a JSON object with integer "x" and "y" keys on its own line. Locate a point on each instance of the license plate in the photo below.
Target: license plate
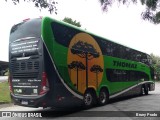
{"x": 24, "y": 102}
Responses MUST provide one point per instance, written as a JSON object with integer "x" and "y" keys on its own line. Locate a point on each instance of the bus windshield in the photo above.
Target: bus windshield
{"x": 25, "y": 38}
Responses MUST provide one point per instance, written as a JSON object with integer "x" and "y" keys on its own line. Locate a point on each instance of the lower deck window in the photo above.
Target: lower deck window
{"x": 118, "y": 75}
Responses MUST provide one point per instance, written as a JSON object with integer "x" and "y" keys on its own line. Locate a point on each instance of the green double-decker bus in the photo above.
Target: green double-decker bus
{"x": 54, "y": 64}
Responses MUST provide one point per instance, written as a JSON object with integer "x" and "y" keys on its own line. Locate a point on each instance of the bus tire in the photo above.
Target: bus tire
{"x": 103, "y": 97}
{"x": 146, "y": 90}
{"x": 142, "y": 90}
{"x": 89, "y": 99}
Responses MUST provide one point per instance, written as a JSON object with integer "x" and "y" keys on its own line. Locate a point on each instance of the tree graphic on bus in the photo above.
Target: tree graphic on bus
{"x": 77, "y": 66}
{"x": 87, "y": 51}
{"x": 96, "y": 69}
{"x": 84, "y": 53}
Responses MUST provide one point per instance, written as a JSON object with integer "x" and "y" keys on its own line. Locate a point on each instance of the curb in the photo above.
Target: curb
{"x": 1, "y": 103}
{"x": 5, "y": 104}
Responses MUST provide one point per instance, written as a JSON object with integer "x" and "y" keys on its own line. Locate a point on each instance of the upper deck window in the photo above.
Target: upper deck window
{"x": 30, "y": 28}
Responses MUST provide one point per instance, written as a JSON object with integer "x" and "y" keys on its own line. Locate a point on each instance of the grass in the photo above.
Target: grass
{"x": 4, "y": 93}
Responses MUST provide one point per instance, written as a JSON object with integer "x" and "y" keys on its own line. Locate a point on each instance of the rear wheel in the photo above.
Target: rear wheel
{"x": 146, "y": 90}
{"x": 103, "y": 97}
{"x": 89, "y": 99}
{"x": 142, "y": 90}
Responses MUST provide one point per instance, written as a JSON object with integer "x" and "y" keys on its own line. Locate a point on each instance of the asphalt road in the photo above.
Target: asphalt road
{"x": 145, "y": 107}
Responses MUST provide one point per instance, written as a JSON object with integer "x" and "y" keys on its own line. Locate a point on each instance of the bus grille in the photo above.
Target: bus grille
{"x": 25, "y": 69}
{"x": 24, "y": 65}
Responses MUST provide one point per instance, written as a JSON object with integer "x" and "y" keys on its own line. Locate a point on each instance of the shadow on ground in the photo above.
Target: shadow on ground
{"x": 83, "y": 112}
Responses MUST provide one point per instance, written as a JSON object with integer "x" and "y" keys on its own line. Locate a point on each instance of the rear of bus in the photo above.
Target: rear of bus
{"x": 28, "y": 80}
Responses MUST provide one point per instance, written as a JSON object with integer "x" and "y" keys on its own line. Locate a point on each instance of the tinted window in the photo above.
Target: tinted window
{"x": 25, "y": 47}
{"x": 25, "y": 39}
{"x": 30, "y": 28}
{"x": 63, "y": 34}
{"x": 117, "y": 75}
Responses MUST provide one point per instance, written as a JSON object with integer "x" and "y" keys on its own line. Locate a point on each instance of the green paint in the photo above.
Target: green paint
{"x": 124, "y": 64}
{"x": 59, "y": 55}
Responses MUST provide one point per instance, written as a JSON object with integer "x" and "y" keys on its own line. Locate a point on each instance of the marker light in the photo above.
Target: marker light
{"x": 44, "y": 84}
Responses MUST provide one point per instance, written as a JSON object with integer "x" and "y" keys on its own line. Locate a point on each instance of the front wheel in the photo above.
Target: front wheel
{"x": 103, "y": 97}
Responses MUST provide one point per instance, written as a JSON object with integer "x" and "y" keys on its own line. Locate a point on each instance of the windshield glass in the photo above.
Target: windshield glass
{"x": 25, "y": 38}
{"x": 30, "y": 28}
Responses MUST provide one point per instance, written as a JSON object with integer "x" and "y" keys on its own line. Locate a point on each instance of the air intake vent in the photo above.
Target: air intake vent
{"x": 24, "y": 66}
{"x": 29, "y": 65}
{"x": 36, "y": 65}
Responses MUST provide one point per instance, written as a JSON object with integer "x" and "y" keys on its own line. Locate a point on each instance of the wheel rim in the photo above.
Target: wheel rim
{"x": 146, "y": 91}
{"x": 142, "y": 90}
{"x": 88, "y": 99}
{"x": 102, "y": 97}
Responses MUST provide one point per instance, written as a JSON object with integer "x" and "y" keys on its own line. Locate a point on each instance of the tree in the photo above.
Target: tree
{"x": 46, "y": 4}
{"x": 78, "y": 66}
{"x": 96, "y": 69}
{"x": 85, "y": 50}
{"x": 152, "y": 12}
{"x": 70, "y": 21}
{"x": 156, "y": 65}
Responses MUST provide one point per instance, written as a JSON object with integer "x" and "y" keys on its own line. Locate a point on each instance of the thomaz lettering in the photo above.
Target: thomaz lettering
{"x": 124, "y": 64}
